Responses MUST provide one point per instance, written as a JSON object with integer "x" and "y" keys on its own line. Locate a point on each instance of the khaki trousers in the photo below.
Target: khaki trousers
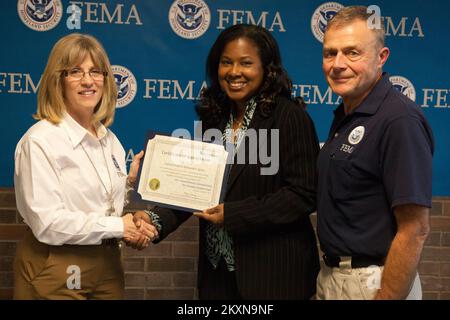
{"x": 67, "y": 272}
{"x": 345, "y": 283}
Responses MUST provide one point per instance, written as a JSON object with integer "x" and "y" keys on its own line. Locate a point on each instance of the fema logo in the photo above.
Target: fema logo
{"x": 189, "y": 18}
{"x": 356, "y": 135}
{"x": 126, "y": 85}
{"x": 319, "y": 20}
{"x": 40, "y": 15}
{"x": 404, "y": 86}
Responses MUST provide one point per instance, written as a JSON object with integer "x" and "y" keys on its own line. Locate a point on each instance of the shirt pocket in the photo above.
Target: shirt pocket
{"x": 340, "y": 178}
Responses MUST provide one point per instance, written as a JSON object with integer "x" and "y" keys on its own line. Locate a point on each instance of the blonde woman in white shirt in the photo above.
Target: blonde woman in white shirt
{"x": 70, "y": 181}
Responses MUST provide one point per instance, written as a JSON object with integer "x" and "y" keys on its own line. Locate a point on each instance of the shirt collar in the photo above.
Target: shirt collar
{"x": 372, "y": 102}
{"x": 77, "y": 133}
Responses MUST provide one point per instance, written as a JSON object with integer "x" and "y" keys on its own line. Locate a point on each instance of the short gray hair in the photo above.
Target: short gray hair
{"x": 350, "y": 14}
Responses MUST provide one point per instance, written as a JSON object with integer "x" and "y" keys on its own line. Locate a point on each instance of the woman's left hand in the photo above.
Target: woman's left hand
{"x": 214, "y": 215}
{"x": 134, "y": 167}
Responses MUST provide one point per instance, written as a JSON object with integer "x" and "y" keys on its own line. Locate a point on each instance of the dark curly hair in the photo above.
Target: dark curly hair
{"x": 214, "y": 105}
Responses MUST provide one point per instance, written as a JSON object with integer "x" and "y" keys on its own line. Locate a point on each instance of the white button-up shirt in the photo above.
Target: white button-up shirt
{"x": 58, "y": 189}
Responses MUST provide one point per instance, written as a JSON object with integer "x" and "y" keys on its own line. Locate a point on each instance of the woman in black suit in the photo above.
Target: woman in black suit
{"x": 259, "y": 243}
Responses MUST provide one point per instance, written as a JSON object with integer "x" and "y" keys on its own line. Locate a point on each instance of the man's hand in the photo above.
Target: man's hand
{"x": 413, "y": 227}
{"x": 214, "y": 215}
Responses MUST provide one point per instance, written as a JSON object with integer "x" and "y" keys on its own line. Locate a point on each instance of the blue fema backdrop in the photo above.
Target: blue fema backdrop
{"x": 158, "y": 50}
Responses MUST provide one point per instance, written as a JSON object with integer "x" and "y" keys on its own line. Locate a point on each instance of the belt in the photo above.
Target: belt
{"x": 357, "y": 262}
{"x": 110, "y": 242}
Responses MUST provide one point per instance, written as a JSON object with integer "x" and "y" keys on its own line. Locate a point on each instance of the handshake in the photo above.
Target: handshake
{"x": 138, "y": 230}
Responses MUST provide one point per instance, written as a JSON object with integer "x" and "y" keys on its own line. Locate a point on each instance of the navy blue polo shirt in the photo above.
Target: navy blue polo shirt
{"x": 374, "y": 159}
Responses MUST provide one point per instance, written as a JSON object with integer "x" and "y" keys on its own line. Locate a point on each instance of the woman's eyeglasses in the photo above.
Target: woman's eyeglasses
{"x": 78, "y": 74}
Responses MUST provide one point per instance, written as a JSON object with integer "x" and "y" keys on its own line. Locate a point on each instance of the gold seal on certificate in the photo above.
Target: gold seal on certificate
{"x": 183, "y": 174}
{"x": 154, "y": 184}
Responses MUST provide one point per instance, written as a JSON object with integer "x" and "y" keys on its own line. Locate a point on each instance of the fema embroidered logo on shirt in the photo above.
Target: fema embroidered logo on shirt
{"x": 116, "y": 164}
{"x": 356, "y": 135}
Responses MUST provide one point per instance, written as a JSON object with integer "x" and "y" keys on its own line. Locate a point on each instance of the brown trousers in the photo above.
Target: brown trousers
{"x": 67, "y": 272}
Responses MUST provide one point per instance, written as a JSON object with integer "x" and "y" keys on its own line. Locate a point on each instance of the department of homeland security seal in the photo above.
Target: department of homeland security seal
{"x": 356, "y": 135}
{"x": 40, "y": 15}
{"x": 126, "y": 85}
{"x": 189, "y": 18}
{"x": 319, "y": 20}
{"x": 404, "y": 86}
{"x": 154, "y": 184}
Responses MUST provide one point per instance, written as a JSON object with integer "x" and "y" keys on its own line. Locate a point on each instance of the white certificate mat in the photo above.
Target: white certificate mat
{"x": 182, "y": 173}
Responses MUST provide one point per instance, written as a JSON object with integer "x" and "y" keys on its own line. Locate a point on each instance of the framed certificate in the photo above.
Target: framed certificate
{"x": 183, "y": 174}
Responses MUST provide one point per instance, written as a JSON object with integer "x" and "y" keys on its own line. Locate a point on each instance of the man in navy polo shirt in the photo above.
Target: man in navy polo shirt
{"x": 374, "y": 172}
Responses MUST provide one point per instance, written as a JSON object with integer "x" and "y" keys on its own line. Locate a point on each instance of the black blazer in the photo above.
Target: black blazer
{"x": 268, "y": 215}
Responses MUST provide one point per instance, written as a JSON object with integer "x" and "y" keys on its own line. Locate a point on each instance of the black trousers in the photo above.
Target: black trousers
{"x": 218, "y": 284}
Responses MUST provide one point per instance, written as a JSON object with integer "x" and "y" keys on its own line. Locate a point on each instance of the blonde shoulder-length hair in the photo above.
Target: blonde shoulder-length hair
{"x": 67, "y": 53}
